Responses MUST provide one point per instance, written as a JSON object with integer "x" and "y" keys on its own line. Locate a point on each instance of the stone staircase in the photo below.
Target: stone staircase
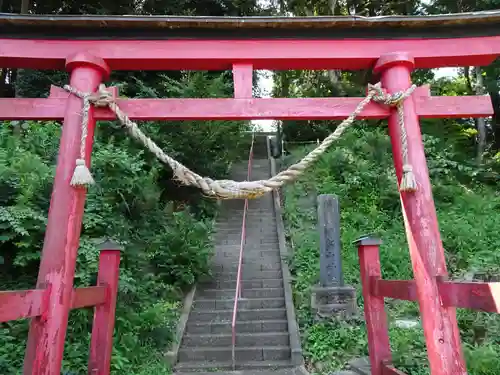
{"x": 262, "y": 334}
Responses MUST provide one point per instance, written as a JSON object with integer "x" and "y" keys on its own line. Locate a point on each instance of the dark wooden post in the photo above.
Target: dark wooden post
{"x": 101, "y": 345}
{"x": 426, "y": 249}
{"x": 375, "y": 315}
{"x": 330, "y": 260}
{"x": 47, "y": 333}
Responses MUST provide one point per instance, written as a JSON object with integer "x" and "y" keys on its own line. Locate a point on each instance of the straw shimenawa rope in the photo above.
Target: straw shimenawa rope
{"x": 228, "y": 189}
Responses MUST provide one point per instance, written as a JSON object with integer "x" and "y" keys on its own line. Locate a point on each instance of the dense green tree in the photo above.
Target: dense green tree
{"x": 135, "y": 200}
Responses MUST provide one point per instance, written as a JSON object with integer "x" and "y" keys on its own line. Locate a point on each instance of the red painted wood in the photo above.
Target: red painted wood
{"x": 57, "y": 92}
{"x": 247, "y": 109}
{"x": 20, "y": 304}
{"x": 243, "y": 77}
{"x": 391, "y": 370}
{"x": 263, "y": 54}
{"x": 57, "y": 267}
{"x": 397, "y": 289}
{"x": 101, "y": 345}
{"x": 476, "y": 296}
{"x": 426, "y": 250}
{"x": 375, "y": 315}
{"x": 89, "y": 296}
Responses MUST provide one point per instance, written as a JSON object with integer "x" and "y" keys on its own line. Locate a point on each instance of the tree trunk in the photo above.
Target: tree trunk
{"x": 480, "y": 122}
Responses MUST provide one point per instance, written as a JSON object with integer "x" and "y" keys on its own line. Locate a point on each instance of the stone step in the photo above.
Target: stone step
{"x": 247, "y": 253}
{"x": 229, "y": 276}
{"x": 248, "y": 326}
{"x": 250, "y": 258}
{"x": 254, "y": 244}
{"x": 257, "y": 283}
{"x": 250, "y": 238}
{"x": 234, "y": 220}
{"x": 231, "y": 264}
{"x": 236, "y": 228}
{"x": 223, "y": 316}
{"x": 246, "y": 293}
{"x": 242, "y": 339}
{"x": 243, "y": 303}
{"x": 233, "y": 223}
{"x": 251, "y": 366}
{"x": 249, "y": 267}
{"x": 215, "y": 354}
{"x": 250, "y": 249}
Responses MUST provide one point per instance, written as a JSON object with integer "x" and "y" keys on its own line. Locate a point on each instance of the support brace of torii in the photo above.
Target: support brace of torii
{"x": 89, "y": 63}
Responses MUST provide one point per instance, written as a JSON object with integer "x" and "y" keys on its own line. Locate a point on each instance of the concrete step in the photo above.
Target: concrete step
{"x": 250, "y": 367}
{"x": 215, "y": 354}
{"x": 266, "y": 228}
{"x": 242, "y": 339}
{"x": 246, "y": 293}
{"x": 229, "y": 276}
{"x": 228, "y": 251}
{"x": 248, "y": 326}
{"x": 266, "y": 242}
{"x": 246, "y": 304}
{"x": 243, "y": 315}
{"x": 250, "y": 258}
{"x": 234, "y": 221}
{"x": 245, "y": 284}
{"x": 249, "y": 267}
{"x": 249, "y": 249}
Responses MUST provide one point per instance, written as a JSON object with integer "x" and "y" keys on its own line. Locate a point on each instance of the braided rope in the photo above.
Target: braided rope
{"x": 408, "y": 182}
{"x": 228, "y": 189}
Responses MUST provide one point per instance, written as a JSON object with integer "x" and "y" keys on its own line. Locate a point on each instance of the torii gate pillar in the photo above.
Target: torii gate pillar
{"x": 426, "y": 249}
{"x": 44, "y": 351}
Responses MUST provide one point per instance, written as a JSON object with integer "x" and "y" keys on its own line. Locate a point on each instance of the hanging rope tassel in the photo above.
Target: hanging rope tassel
{"x": 81, "y": 175}
{"x": 408, "y": 182}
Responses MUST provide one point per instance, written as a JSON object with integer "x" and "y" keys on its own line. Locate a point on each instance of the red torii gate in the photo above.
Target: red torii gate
{"x": 162, "y": 43}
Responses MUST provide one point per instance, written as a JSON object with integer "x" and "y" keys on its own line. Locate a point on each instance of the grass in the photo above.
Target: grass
{"x": 360, "y": 171}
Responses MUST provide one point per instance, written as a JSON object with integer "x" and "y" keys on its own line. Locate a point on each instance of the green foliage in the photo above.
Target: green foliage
{"x": 359, "y": 170}
{"x": 166, "y": 251}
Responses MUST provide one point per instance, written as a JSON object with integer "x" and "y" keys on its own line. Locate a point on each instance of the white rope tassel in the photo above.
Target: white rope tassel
{"x": 82, "y": 176}
{"x": 408, "y": 182}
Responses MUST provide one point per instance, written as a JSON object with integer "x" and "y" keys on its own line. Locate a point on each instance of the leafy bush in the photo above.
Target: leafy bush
{"x": 165, "y": 250}
{"x": 359, "y": 170}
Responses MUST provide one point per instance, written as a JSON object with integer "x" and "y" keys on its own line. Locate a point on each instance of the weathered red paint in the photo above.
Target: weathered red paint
{"x": 243, "y": 81}
{"x": 101, "y": 345}
{"x": 375, "y": 315}
{"x": 476, "y": 296}
{"x": 426, "y": 250}
{"x": 50, "y": 303}
{"x": 247, "y": 109}
{"x": 57, "y": 267}
{"x": 20, "y": 304}
{"x": 397, "y": 289}
{"x": 89, "y": 296}
{"x": 391, "y": 370}
{"x": 279, "y": 54}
